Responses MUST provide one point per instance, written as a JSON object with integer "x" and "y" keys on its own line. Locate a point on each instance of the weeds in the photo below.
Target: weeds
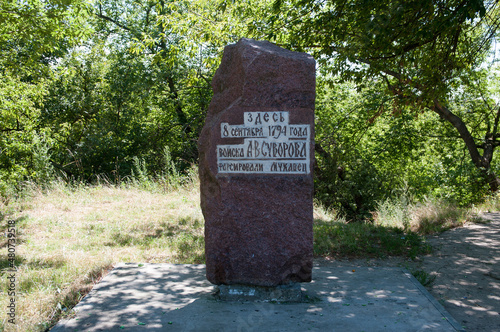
{"x": 140, "y": 177}
{"x": 433, "y": 216}
{"x": 424, "y": 278}
{"x": 170, "y": 179}
{"x": 492, "y": 203}
{"x": 394, "y": 212}
{"x": 426, "y": 217}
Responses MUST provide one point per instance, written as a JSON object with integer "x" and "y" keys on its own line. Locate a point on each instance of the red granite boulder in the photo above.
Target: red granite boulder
{"x": 256, "y": 159}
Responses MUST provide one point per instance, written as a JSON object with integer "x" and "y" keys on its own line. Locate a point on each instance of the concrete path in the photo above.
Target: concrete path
{"x": 168, "y": 297}
{"x": 465, "y": 263}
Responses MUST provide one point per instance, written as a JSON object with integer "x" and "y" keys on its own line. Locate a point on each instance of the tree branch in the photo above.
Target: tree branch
{"x": 115, "y": 22}
{"x": 460, "y": 126}
{"x": 495, "y": 125}
{"x": 8, "y": 130}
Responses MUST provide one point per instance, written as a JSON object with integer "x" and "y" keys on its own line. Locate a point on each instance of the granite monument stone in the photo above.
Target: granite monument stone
{"x": 256, "y": 160}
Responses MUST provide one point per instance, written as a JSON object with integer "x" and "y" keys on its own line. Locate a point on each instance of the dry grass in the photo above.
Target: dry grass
{"x": 435, "y": 216}
{"x": 324, "y": 214}
{"x": 429, "y": 216}
{"x": 491, "y": 204}
{"x": 68, "y": 238}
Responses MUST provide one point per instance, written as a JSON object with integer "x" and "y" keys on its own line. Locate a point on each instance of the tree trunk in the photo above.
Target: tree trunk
{"x": 482, "y": 162}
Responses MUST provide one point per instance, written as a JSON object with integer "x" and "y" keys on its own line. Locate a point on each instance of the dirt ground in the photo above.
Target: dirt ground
{"x": 466, "y": 264}
{"x": 465, "y": 268}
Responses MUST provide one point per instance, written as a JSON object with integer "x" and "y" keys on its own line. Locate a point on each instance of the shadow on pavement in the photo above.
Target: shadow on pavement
{"x": 466, "y": 263}
{"x": 179, "y": 298}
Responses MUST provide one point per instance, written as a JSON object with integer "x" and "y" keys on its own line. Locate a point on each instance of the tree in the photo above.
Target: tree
{"x": 425, "y": 51}
{"x": 367, "y": 151}
{"x": 33, "y": 34}
{"x": 138, "y": 87}
{"x": 156, "y": 31}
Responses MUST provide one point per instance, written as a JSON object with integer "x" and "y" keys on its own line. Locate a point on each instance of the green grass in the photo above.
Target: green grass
{"x": 424, "y": 278}
{"x": 334, "y": 237}
{"x": 339, "y": 239}
{"x": 68, "y": 237}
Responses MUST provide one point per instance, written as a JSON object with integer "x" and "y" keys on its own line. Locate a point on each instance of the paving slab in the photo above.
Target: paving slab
{"x": 171, "y": 297}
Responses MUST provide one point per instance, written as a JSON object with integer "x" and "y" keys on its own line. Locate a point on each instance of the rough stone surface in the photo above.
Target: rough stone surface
{"x": 258, "y": 225}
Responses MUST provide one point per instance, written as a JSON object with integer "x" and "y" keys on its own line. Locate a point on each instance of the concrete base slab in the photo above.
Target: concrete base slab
{"x": 168, "y": 297}
{"x": 284, "y": 293}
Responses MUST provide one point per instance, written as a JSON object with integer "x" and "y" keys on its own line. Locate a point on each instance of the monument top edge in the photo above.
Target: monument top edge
{"x": 267, "y": 46}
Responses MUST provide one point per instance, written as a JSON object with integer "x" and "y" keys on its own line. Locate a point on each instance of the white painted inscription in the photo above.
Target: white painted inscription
{"x": 271, "y": 145}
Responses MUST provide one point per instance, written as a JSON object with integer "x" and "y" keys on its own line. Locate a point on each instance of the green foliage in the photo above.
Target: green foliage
{"x": 32, "y": 35}
{"x": 133, "y": 89}
{"x": 43, "y": 171}
{"x": 107, "y": 109}
{"x": 394, "y": 212}
{"x": 137, "y": 87}
{"x": 347, "y": 178}
{"x": 18, "y": 101}
{"x": 423, "y": 41}
{"x": 421, "y": 55}
{"x": 42, "y": 26}
{"x": 366, "y": 147}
